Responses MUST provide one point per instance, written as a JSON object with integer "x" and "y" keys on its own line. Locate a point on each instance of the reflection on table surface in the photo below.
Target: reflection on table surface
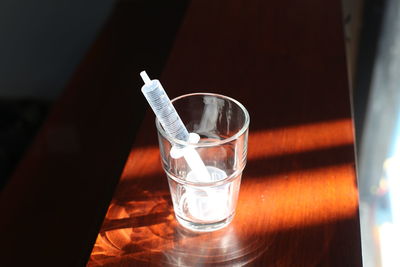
{"x": 291, "y": 206}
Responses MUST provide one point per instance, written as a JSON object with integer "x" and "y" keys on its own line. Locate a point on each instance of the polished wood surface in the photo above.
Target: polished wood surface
{"x": 298, "y": 206}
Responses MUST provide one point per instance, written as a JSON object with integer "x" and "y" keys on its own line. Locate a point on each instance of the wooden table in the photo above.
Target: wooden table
{"x": 298, "y": 200}
{"x": 285, "y": 61}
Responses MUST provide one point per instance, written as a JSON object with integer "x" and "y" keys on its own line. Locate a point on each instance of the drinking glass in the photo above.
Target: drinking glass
{"x": 207, "y": 203}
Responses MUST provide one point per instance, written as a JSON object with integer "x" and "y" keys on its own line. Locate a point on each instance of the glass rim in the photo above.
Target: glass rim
{"x": 241, "y": 131}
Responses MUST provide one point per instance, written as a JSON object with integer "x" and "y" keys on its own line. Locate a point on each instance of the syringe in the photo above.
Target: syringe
{"x": 173, "y": 126}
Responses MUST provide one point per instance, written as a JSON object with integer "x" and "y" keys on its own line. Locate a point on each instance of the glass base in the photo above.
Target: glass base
{"x": 204, "y": 227}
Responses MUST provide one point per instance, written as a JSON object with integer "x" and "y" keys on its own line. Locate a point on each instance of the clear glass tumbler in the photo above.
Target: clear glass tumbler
{"x": 207, "y": 204}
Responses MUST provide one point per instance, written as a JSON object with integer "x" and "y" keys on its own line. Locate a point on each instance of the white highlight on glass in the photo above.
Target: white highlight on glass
{"x": 208, "y": 203}
{"x": 173, "y": 125}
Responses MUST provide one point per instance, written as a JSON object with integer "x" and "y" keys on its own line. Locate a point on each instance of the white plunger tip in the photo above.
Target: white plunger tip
{"x": 145, "y": 77}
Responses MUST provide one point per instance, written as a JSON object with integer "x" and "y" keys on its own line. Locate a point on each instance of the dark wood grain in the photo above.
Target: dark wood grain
{"x": 285, "y": 61}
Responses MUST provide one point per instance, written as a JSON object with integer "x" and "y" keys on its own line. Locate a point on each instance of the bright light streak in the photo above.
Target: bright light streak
{"x": 310, "y": 197}
{"x": 390, "y": 230}
{"x": 300, "y": 138}
{"x": 389, "y": 237}
{"x": 393, "y": 176}
{"x": 291, "y": 139}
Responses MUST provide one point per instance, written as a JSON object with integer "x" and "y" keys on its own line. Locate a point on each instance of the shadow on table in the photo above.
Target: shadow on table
{"x": 167, "y": 244}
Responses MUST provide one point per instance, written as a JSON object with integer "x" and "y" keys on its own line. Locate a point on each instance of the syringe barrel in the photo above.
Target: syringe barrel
{"x": 164, "y": 110}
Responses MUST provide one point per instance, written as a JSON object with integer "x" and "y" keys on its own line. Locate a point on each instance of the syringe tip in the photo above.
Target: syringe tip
{"x": 145, "y": 77}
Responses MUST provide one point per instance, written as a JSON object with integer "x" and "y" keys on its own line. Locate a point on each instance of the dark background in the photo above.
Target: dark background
{"x": 43, "y": 42}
